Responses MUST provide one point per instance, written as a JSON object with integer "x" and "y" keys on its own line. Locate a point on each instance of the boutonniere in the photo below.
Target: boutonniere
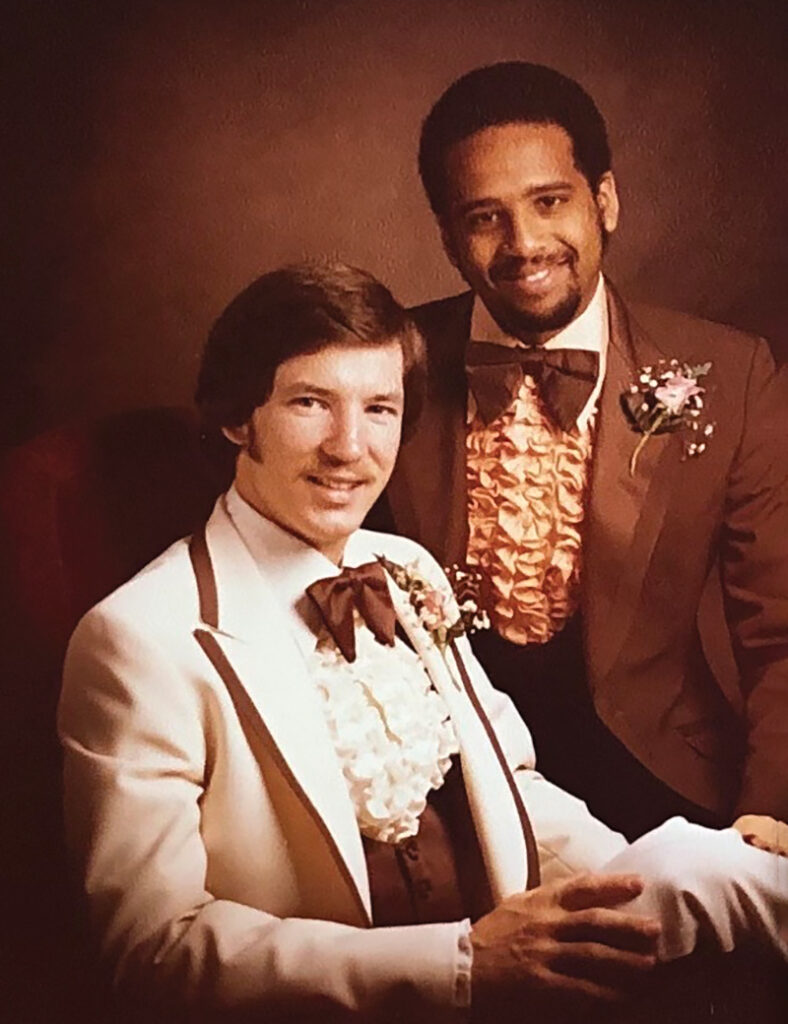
{"x": 665, "y": 398}
{"x": 444, "y": 615}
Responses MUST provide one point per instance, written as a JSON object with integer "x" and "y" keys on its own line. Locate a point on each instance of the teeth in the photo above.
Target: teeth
{"x": 335, "y": 485}
{"x": 540, "y": 275}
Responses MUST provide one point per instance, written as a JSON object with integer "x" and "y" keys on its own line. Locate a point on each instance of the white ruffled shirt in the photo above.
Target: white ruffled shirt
{"x": 390, "y": 728}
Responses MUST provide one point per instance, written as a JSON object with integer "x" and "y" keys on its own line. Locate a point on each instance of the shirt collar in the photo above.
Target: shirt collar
{"x": 289, "y": 562}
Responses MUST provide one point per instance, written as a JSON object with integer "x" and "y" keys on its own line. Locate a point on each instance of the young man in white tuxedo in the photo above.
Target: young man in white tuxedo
{"x": 290, "y": 787}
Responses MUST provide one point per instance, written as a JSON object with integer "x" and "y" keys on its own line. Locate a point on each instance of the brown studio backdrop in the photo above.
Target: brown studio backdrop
{"x": 161, "y": 156}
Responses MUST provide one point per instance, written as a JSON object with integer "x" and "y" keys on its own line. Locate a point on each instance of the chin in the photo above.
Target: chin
{"x": 334, "y": 529}
{"x": 523, "y": 320}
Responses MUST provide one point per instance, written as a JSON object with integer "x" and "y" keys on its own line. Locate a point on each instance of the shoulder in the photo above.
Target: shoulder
{"x": 743, "y": 377}
{"x": 685, "y": 336}
{"x": 158, "y": 601}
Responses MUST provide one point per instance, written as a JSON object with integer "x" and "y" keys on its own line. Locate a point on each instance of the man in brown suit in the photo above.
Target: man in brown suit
{"x": 599, "y": 463}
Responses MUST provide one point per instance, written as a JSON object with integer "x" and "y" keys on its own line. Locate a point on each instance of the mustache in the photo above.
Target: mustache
{"x": 509, "y": 265}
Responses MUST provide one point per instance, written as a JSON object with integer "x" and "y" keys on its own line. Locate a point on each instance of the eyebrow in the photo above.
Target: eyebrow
{"x": 389, "y": 396}
{"x": 533, "y": 190}
{"x": 305, "y": 385}
{"x": 300, "y": 386}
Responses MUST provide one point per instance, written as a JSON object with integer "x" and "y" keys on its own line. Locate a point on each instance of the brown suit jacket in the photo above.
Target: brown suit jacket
{"x": 653, "y": 540}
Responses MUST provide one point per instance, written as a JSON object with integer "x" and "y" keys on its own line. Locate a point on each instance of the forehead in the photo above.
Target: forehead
{"x": 373, "y": 368}
{"x": 507, "y": 158}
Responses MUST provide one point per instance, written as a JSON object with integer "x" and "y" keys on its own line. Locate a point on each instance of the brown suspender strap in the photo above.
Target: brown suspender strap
{"x": 525, "y": 822}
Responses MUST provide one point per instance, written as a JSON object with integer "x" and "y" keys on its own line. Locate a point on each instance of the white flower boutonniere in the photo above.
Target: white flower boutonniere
{"x": 435, "y": 608}
{"x": 665, "y": 398}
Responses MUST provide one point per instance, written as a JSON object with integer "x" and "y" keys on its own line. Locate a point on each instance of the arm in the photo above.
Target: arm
{"x": 754, "y": 559}
{"x": 140, "y": 741}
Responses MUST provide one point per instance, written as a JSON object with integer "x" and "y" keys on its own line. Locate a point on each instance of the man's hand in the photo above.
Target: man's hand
{"x": 763, "y": 832}
{"x": 560, "y": 947}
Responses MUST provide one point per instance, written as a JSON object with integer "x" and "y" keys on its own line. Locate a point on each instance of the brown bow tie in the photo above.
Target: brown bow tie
{"x": 365, "y": 589}
{"x": 565, "y": 378}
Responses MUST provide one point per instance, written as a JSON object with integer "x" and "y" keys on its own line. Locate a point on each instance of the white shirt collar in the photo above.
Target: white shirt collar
{"x": 289, "y": 562}
{"x": 589, "y": 331}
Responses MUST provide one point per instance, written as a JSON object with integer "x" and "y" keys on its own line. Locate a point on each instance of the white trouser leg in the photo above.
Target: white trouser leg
{"x": 708, "y": 888}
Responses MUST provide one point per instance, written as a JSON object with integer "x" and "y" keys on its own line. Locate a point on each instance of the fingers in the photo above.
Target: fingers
{"x": 586, "y": 891}
{"x": 613, "y": 928}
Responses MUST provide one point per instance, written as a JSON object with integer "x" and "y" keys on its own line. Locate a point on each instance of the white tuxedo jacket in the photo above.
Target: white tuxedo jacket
{"x": 208, "y": 814}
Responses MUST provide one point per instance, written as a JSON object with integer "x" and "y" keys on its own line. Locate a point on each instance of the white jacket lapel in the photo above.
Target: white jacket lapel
{"x": 493, "y": 808}
{"x": 268, "y": 679}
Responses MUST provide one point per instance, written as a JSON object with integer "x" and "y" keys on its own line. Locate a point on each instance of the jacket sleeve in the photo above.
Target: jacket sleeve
{"x": 136, "y": 736}
{"x": 754, "y": 566}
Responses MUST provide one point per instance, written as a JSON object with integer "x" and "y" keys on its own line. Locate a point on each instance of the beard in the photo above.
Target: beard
{"x": 525, "y": 324}
{"x": 521, "y": 322}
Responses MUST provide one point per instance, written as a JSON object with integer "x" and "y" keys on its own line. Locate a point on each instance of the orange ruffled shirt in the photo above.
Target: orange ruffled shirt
{"x": 526, "y": 496}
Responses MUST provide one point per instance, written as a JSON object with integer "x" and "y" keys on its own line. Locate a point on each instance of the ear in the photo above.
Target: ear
{"x": 238, "y": 435}
{"x": 607, "y": 201}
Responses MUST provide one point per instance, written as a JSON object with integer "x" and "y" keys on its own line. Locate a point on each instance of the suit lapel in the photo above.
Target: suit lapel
{"x": 428, "y": 492}
{"x": 493, "y": 808}
{"x": 626, "y": 510}
{"x": 252, "y": 647}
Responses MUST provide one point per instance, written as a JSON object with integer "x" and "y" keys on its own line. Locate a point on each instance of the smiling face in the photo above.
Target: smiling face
{"x": 523, "y": 226}
{"x": 316, "y": 455}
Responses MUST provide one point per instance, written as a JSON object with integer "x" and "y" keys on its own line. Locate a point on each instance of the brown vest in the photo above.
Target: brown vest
{"x": 435, "y": 876}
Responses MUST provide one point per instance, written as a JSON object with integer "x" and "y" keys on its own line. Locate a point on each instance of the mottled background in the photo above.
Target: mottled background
{"x": 160, "y": 155}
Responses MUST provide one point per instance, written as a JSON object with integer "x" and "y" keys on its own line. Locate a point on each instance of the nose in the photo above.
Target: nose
{"x": 344, "y": 439}
{"x": 524, "y": 233}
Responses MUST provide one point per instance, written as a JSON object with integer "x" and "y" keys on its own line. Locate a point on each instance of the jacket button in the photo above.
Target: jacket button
{"x": 411, "y": 849}
{"x": 423, "y": 887}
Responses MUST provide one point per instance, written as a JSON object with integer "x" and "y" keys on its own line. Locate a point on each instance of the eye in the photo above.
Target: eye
{"x": 550, "y": 203}
{"x": 478, "y": 220}
{"x": 383, "y": 409}
{"x": 307, "y": 402}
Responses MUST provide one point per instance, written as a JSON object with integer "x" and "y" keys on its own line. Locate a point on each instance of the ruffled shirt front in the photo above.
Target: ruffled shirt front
{"x": 391, "y": 731}
{"x": 527, "y": 487}
{"x": 526, "y": 493}
{"x": 390, "y": 728}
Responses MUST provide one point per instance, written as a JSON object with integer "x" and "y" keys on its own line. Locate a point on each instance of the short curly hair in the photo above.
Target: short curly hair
{"x": 507, "y": 93}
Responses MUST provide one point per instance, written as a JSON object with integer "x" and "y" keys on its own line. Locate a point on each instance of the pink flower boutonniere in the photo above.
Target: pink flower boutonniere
{"x": 666, "y": 398}
{"x": 434, "y": 608}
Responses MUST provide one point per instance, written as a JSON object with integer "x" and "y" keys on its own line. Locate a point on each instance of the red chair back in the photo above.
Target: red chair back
{"x": 82, "y": 508}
